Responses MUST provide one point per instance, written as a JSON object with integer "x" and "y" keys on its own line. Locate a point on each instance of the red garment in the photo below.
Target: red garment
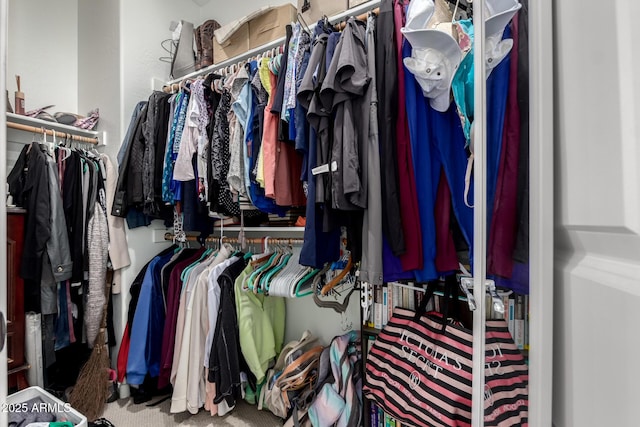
{"x": 412, "y": 259}
{"x": 446, "y": 255}
{"x": 289, "y": 190}
{"x": 123, "y": 354}
{"x": 504, "y": 227}
{"x": 269, "y": 139}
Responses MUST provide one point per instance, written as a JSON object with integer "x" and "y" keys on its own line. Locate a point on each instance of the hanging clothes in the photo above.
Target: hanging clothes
{"x": 372, "y": 234}
{"x": 412, "y": 258}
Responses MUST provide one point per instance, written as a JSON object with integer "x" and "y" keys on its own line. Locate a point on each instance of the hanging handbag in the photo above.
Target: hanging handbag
{"x": 420, "y": 370}
{"x": 272, "y": 396}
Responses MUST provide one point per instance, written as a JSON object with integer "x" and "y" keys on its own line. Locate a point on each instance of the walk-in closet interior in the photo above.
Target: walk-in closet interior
{"x": 318, "y": 213}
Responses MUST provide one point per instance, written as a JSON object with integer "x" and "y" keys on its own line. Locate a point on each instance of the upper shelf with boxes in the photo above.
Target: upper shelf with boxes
{"x": 265, "y": 29}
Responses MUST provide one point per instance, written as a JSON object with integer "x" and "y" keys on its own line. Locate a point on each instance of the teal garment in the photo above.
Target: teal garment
{"x": 463, "y": 86}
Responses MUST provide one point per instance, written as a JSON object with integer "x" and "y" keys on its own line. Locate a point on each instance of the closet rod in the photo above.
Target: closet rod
{"x": 50, "y": 132}
{"x": 363, "y": 17}
{"x": 357, "y": 10}
{"x": 250, "y": 241}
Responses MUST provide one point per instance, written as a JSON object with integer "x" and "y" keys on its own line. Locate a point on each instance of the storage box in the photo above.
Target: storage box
{"x": 63, "y": 411}
{"x": 236, "y": 44}
{"x": 318, "y": 8}
{"x": 254, "y": 30}
{"x": 271, "y": 25}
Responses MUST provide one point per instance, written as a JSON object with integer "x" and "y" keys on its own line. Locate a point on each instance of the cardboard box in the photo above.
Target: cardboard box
{"x": 271, "y": 25}
{"x": 318, "y": 8}
{"x": 235, "y": 45}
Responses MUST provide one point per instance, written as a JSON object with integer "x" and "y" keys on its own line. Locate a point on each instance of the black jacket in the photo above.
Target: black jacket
{"x": 226, "y": 360}
{"x": 29, "y": 184}
{"x": 72, "y": 192}
{"x": 130, "y": 168}
{"x": 387, "y": 88}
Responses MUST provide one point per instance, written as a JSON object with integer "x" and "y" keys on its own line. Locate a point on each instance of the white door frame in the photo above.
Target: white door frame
{"x": 541, "y": 191}
{"x": 541, "y": 214}
{"x": 4, "y": 21}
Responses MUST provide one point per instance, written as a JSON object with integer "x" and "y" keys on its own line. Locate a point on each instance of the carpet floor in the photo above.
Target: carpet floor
{"x": 124, "y": 413}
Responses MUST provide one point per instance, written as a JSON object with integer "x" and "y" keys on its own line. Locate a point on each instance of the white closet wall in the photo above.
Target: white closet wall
{"x": 597, "y": 267}
{"x": 43, "y": 36}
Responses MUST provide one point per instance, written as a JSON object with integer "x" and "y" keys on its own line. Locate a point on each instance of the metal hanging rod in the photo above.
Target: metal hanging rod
{"x": 362, "y": 17}
{"x": 249, "y": 241}
{"x": 50, "y": 132}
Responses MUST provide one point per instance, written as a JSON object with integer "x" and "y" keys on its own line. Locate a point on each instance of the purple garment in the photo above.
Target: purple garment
{"x": 519, "y": 281}
{"x": 170, "y": 322}
{"x": 392, "y": 270}
{"x": 412, "y": 259}
{"x": 503, "y": 231}
{"x": 446, "y": 255}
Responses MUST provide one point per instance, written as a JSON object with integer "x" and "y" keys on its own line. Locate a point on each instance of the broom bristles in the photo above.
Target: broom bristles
{"x": 89, "y": 395}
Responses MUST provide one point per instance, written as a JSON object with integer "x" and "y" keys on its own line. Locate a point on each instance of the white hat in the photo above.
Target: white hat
{"x": 435, "y": 55}
{"x": 499, "y": 13}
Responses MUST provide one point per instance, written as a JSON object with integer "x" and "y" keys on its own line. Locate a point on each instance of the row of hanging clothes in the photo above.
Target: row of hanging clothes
{"x": 389, "y": 123}
{"x": 205, "y": 324}
{"x": 70, "y": 242}
{"x": 372, "y": 122}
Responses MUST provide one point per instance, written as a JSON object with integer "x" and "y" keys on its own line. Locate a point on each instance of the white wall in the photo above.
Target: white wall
{"x": 597, "y": 268}
{"x": 144, "y": 24}
{"x": 99, "y": 66}
{"x": 43, "y": 40}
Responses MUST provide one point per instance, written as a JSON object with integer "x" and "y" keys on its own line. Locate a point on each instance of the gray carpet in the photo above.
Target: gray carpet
{"x": 124, "y": 413}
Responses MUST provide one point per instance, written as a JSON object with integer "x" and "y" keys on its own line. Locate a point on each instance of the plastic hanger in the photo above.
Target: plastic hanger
{"x": 302, "y": 287}
{"x": 333, "y": 283}
{"x": 282, "y": 263}
{"x": 257, "y": 283}
{"x": 187, "y": 271}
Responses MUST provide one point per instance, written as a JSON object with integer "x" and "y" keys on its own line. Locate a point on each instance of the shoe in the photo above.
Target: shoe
{"x": 113, "y": 387}
{"x": 206, "y": 39}
{"x": 196, "y": 34}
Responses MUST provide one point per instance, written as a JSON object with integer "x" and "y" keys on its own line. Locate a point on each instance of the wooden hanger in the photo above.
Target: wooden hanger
{"x": 336, "y": 280}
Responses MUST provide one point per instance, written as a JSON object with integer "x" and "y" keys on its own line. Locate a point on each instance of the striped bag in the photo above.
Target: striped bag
{"x": 420, "y": 371}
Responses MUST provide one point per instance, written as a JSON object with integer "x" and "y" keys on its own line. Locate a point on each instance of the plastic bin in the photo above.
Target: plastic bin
{"x": 63, "y": 411}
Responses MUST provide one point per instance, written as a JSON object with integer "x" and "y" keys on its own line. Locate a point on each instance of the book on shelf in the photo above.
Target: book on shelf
{"x": 412, "y": 299}
{"x": 390, "y": 301}
{"x": 389, "y": 421}
{"x": 380, "y": 417}
{"x": 397, "y": 295}
{"x": 419, "y": 297}
{"x": 377, "y": 307}
{"x": 373, "y": 414}
{"x": 512, "y": 318}
{"x": 405, "y": 297}
{"x": 385, "y": 306}
{"x": 519, "y": 322}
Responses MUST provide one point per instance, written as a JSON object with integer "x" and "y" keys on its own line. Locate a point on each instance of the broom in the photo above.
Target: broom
{"x": 89, "y": 395}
